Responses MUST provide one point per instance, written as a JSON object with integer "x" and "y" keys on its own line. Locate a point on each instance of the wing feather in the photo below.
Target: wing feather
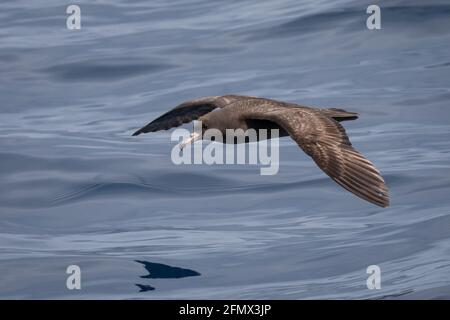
{"x": 186, "y": 112}
{"x": 325, "y": 140}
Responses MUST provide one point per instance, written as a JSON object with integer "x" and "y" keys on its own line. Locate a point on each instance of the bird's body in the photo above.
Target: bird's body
{"x": 317, "y": 131}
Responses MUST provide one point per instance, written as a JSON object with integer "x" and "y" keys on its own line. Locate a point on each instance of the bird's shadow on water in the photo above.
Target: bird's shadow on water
{"x": 162, "y": 271}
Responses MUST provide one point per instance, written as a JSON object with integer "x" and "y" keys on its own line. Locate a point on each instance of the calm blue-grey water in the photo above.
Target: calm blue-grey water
{"x": 77, "y": 189}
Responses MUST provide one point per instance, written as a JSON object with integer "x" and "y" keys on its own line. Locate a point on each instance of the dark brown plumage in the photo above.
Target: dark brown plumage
{"x": 317, "y": 131}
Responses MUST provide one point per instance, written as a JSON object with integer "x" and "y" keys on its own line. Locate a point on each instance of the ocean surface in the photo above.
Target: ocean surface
{"x": 77, "y": 189}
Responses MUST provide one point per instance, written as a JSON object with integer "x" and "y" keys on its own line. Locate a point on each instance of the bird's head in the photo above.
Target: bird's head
{"x": 207, "y": 127}
{"x": 217, "y": 120}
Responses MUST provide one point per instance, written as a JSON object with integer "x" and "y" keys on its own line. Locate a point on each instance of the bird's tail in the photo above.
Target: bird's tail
{"x": 340, "y": 114}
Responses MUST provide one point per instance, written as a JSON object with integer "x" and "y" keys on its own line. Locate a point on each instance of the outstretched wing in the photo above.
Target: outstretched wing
{"x": 326, "y": 141}
{"x": 186, "y": 112}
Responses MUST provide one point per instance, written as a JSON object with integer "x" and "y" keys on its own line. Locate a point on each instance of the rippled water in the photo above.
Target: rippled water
{"x": 76, "y": 188}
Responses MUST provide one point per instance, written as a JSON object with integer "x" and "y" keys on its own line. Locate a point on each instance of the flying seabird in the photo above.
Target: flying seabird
{"x": 316, "y": 131}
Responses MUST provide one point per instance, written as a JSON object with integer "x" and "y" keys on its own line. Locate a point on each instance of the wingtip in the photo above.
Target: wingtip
{"x": 385, "y": 203}
{"x": 137, "y": 133}
{"x": 383, "y": 200}
{"x": 382, "y": 204}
